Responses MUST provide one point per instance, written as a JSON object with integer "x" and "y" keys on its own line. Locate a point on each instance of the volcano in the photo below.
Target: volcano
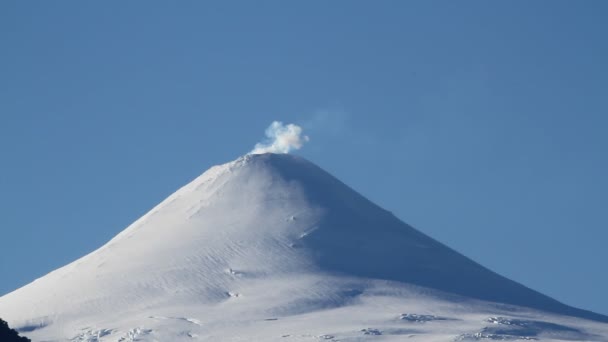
{"x": 271, "y": 247}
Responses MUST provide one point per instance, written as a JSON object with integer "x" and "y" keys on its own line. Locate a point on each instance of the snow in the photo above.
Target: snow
{"x": 272, "y": 248}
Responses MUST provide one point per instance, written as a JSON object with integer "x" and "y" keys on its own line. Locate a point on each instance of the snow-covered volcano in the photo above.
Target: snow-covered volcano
{"x": 271, "y": 247}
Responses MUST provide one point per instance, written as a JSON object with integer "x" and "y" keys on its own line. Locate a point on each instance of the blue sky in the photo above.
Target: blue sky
{"x": 483, "y": 124}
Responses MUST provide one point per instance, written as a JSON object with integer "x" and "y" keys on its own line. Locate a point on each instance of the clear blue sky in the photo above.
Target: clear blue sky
{"x": 483, "y": 124}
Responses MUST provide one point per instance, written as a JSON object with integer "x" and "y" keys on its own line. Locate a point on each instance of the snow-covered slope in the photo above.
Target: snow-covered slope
{"x": 271, "y": 247}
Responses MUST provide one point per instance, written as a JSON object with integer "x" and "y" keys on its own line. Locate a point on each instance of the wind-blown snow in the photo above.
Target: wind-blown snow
{"x": 270, "y": 247}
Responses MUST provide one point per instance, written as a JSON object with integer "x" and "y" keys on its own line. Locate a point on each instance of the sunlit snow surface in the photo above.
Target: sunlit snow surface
{"x": 271, "y": 248}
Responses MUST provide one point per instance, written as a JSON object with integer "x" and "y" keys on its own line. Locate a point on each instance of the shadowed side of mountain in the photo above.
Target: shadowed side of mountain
{"x": 358, "y": 238}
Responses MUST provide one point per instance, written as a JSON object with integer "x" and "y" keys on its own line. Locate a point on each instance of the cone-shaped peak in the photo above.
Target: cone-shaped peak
{"x": 267, "y": 221}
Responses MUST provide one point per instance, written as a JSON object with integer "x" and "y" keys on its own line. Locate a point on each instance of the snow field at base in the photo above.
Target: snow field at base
{"x": 369, "y": 317}
{"x": 384, "y": 312}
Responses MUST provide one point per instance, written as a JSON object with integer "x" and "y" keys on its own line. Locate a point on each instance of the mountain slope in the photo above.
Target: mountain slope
{"x": 381, "y": 246}
{"x": 268, "y": 245}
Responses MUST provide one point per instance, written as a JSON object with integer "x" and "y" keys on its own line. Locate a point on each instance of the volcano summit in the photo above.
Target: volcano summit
{"x": 270, "y": 247}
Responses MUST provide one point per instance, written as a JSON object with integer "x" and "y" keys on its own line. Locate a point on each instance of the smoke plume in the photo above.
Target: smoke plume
{"x": 281, "y": 139}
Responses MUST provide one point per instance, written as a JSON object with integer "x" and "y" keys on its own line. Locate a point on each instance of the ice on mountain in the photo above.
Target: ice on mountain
{"x": 371, "y": 331}
{"x": 421, "y": 318}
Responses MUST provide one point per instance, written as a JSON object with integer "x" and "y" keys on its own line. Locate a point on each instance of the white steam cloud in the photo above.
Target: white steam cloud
{"x": 281, "y": 139}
